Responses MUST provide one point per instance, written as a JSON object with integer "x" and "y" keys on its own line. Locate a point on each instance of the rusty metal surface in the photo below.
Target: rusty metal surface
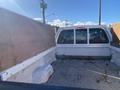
{"x": 22, "y": 38}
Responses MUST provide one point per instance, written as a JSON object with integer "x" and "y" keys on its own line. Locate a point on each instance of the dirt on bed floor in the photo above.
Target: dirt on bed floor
{"x": 99, "y": 74}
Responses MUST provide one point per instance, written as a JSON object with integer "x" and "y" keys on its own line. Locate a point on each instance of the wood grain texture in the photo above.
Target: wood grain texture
{"x": 22, "y": 38}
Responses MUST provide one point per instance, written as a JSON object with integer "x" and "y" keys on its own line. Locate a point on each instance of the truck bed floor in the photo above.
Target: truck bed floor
{"x": 85, "y": 74}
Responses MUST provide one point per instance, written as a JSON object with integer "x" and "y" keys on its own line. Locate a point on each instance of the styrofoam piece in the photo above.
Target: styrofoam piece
{"x": 42, "y": 74}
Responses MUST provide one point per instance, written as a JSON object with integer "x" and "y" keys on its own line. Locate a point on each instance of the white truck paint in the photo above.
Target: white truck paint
{"x": 25, "y": 71}
{"x": 84, "y": 49}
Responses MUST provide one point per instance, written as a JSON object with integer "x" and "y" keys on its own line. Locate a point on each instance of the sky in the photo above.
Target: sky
{"x": 71, "y": 11}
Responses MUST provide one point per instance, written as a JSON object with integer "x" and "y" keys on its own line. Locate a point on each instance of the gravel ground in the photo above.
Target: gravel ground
{"x": 85, "y": 74}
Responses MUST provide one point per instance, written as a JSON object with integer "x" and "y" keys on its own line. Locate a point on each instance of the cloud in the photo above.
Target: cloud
{"x": 64, "y": 23}
{"x": 60, "y": 23}
{"x": 87, "y": 23}
{"x": 38, "y": 19}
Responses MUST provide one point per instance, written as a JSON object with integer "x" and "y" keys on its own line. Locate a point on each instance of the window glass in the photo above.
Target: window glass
{"x": 81, "y": 36}
{"x": 66, "y": 37}
{"x": 98, "y": 35}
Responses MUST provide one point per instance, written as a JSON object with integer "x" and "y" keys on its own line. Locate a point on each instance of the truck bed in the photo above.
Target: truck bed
{"x": 94, "y": 74}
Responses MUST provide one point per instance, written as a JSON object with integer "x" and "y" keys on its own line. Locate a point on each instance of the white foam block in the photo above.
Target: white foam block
{"x": 42, "y": 74}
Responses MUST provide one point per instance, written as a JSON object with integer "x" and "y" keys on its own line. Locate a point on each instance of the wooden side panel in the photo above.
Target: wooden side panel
{"x": 22, "y": 38}
{"x": 116, "y": 34}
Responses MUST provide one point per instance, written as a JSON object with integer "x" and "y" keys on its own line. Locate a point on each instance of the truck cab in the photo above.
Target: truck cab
{"x": 82, "y": 41}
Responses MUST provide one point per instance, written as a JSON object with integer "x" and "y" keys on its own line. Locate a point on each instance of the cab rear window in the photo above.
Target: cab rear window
{"x": 66, "y": 37}
{"x": 81, "y": 36}
{"x": 97, "y": 36}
